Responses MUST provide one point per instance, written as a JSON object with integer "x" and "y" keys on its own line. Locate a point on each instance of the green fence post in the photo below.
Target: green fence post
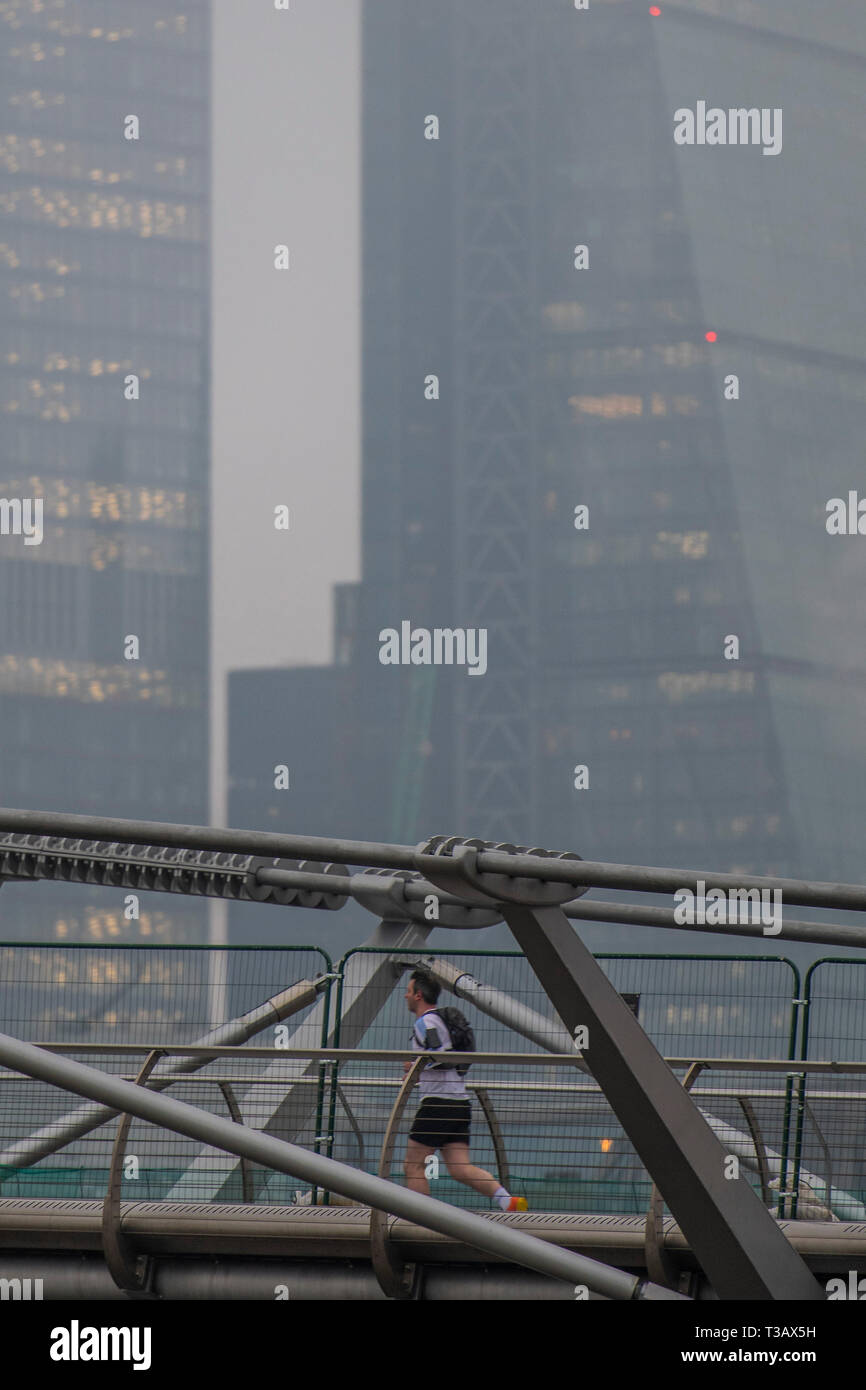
{"x": 797, "y": 1002}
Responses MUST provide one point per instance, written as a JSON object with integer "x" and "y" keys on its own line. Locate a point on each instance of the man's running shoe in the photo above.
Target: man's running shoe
{"x": 518, "y": 1204}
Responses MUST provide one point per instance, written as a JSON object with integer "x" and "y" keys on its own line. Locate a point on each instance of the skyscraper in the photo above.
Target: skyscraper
{"x": 104, "y": 366}
{"x": 694, "y": 379}
{"x": 566, "y": 308}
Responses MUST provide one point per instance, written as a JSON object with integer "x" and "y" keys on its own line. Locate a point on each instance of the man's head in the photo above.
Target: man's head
{"x": 422, "y": 992}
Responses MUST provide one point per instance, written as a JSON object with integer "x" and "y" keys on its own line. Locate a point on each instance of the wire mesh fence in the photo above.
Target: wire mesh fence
{"x": 540, "y": 1127}
{"x": 566, "y": 1151}
{"x": 830, "y": 1142}
{"x": 54, "y": 1144}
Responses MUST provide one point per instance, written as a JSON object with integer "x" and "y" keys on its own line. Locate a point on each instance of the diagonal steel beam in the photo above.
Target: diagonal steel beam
{"x": 207, "y": 1177}
{"x": 546, "y": 1032}
{"x": 742, "y": 1251}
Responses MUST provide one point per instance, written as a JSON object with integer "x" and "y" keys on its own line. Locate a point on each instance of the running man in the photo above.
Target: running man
{"x": 442, "y": 1120}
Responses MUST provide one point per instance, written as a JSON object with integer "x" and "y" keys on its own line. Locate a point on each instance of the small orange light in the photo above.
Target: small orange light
{"x": 606, "y": 1145}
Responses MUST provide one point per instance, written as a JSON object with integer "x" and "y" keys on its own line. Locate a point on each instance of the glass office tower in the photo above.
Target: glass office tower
{"x": 609, "y": 387}
{"x": 104, "y": 278}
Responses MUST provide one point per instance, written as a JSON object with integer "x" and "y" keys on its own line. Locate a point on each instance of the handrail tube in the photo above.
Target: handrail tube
{"x": 381, "y": 1054}
{"x": 581, "y": 873}
{"x": 630, "y": 915}
{"x": 585, "y": 910}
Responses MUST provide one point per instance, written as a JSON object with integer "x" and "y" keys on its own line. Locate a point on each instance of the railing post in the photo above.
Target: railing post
{"x": 247, "y": 1189}
{"x": 396, "y": 1279}
{"x": 130, "y": 1272}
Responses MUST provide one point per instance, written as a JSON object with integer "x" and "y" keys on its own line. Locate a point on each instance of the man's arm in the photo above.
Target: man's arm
{"x": 422, "y": 1035}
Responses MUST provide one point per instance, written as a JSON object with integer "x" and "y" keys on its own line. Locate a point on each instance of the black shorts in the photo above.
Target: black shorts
{"x": 441, "y": 1120}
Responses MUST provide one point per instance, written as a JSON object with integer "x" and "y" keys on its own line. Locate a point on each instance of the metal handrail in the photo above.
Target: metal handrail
{"x": 785, "y": 1066}
{"x": 546, "y": 1088}
{"x": 435, "y": 866}
{"x": 490, "y": 859}
{"x": 289, "y": 1158}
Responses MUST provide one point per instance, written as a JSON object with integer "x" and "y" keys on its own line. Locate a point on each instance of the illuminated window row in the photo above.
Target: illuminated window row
{"x": 631, "y": 550}
{"x": 686, "y": 545}
{"x": 170, "y": 408}
{"x": 134, "y": 261}
{"x": 71, "y": 362}
{"x": 571, "y": 317}
{"x": 622, "y": 407}
{"x": 109, "y": 926}
{"x": 35, "y": 100}
{"x": 37, "y": 52}
{"x": 623, "y": 358}
{"x": 98, "y": 26}
{"x": 104, "y": 212}
{"x": 88, "y": 683}
{"x": 61, "y": 546}
{"x": 106, "y": 501}
{"x": 89, "y": 107}
{"x": 11, "y": 260}
{"x": 179, "y": 363}
{"x": 682, "y": 685}
{"x": 49, "y": 408}
{"x": 34, "y": 291}
{"x": 34, "y": 156}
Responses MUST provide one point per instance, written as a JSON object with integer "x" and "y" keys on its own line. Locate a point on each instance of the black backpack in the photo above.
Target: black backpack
{"x": 460, "y": 1033}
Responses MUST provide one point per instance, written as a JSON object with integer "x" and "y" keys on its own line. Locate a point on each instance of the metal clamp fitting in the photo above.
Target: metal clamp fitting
{"x": 456, "y": 871}
{"x": 386, "y": 894}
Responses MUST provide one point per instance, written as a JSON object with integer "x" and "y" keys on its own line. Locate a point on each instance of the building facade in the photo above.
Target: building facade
{"x": 566, "y": 308}
{"x": 694, "y": 378}
{"x": 104, "y": 406}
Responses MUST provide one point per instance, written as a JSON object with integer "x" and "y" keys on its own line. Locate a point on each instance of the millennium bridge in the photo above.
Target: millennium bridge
{"x": 181, "y": 1122}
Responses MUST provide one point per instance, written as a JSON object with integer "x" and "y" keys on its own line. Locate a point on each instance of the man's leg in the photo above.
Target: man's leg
{"x": 413, "y": 1166}
{"x": 457, "y": 1162}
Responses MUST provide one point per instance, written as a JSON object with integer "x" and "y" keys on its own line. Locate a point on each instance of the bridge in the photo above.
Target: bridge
{"x": 691, "y": 1172}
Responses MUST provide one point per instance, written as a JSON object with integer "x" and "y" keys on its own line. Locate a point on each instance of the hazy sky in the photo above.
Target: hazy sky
{"x": 286, "y": 344}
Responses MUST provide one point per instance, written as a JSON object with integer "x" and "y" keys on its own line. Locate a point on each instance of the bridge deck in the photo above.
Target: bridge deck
{"x": 340, "y": 1232}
